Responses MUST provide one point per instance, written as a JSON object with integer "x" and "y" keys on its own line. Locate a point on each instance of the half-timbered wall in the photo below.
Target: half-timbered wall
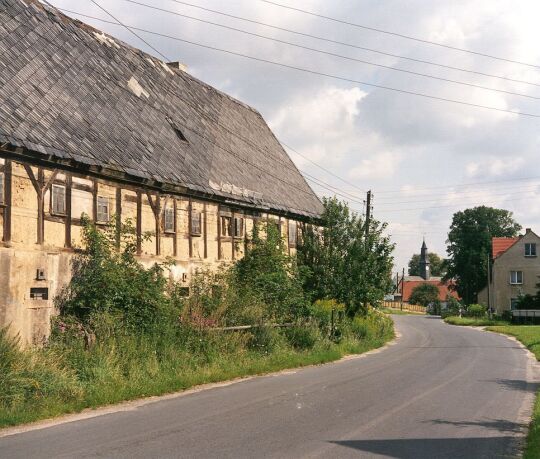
{"x": 40, "y": 222}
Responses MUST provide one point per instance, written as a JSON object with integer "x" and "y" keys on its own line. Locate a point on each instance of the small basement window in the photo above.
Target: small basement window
{"x": 39, "y": 293}
{"x": 103, "y": 209}
{"x": 58, "y": 200}
{"x": 168, "y": 220}
{"x": 196, "y": 218}
{"x": 530, "y": 249}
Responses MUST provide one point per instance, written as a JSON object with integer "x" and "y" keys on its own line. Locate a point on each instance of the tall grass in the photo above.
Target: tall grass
{"x": 68, "y": 375}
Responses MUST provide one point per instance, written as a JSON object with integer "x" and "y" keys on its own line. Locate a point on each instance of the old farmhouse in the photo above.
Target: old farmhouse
{"x": 90, "y": 125}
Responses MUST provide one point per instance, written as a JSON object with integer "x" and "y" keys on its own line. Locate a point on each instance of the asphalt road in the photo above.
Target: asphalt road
{"x": 439, "y": 392}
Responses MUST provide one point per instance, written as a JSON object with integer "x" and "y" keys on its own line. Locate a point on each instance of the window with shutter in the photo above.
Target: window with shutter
{"x": 58, "y": 200}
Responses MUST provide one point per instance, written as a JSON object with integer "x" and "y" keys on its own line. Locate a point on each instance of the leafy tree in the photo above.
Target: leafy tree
{"x": 341, "y": 263}
{"x": 424, "y": 295}
{"x": 266, "y": 273}
{"x": 469, "y": 245}
{"x": 437, "y": 265}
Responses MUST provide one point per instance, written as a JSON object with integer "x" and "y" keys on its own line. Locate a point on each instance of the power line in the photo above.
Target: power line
{"x": 131, "y": 31}
{"x": 321, "y": 167}
{"x": 408, "y": 37}
{"x": 350, "y": 45}
{"x": 463, "y": 197}
{"x": 465, "y": 193}
{"x": 461, "y": 185}
{"x": 314, "y": 72}
{"x": 339, "y": 56}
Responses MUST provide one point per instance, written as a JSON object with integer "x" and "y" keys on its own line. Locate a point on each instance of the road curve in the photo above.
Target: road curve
{"x": 440, "y": 392}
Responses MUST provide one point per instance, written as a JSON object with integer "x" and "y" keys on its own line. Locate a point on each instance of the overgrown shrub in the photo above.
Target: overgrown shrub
{"x": 266, "y": 339}
{"x": 302, "y": 337}
{"x": 476, "y": 310}
{"x": 110, "y": 281}
{"x": 373, "y": 325}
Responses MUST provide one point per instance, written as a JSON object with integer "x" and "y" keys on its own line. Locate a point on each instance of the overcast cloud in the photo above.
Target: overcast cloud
{"x": 414, "y": 153}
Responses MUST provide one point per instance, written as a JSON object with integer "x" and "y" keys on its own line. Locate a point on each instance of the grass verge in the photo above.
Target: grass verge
{"x": 475, "y": 322}
{"x": 44, "y": 383}
{"x": 529, "y": 335}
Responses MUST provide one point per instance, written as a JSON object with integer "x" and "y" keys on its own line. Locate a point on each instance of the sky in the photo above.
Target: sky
{"x": 423, "y": 159}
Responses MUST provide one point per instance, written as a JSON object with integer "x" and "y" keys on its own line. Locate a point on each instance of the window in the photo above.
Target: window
{"x": 530, "y": 249}
{"x": 513, "y": 303}
{"x": 196, "y": 218}
{"x": 516, "y": 277}
{"x": 58, "y": 200}
{"x": 226, "y": 229}
{"x": 168, "y": 220}
{"x": 39, "y": 293}
{"x": 238, "y": 227}
{"x": 292, "y": 233}
{"x": 102, "y": 209}
{"x": 1, "y": 187}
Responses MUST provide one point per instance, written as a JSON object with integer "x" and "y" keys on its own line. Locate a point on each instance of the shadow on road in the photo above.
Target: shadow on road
{"x": 500, "y": 425}
{"x": 429, "y": 448}
{"x": 516, "y": 384}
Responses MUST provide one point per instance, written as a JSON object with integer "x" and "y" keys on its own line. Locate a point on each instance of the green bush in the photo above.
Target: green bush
{"x": 476, "y": 310}
{"x": 373, "y": 325}
{"x": 302, "y": 337}
{"x": 267, "y": 339}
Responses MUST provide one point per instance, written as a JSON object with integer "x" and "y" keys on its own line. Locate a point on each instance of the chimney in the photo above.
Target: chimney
{"x": 178, "y": 66}
{"x": 528, "y": 230}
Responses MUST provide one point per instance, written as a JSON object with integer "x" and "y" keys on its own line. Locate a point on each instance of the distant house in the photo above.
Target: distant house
{"x": 90, "y": 125}
{"x": 408, "y": 283}
{"x": 515, "y": 271}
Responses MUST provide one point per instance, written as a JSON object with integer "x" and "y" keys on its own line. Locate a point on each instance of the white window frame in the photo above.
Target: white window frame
{"x": 168, "y": 219}
{"x": 516, "y": 277}
{"x": 100, "y": 204}
{"x": 532, "y": 249}
{"x": 54, "y": 199}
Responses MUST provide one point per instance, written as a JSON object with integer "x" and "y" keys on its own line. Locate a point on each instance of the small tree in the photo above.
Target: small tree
{"x": 424, "y": 295}
{"x": 341, "y": 263}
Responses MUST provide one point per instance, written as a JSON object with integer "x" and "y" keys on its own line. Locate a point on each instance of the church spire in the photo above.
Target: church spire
{"x": 424, "y": 261}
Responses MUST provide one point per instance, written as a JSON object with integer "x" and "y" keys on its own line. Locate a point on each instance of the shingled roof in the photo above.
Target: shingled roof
{"x": 73, "y": 95}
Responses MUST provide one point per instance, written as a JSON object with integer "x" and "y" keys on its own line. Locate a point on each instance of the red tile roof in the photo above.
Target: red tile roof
{"x": 444, "y": 288}
{"x": 499, "y": 245}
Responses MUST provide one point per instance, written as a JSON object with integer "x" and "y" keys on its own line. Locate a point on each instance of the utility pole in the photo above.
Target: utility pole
{"x": 402, "y": 287}
{"x": 489, "y": 286}
{"x": 368, "y": 213}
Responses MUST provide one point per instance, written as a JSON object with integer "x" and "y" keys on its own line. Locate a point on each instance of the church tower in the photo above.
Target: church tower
{"x": 424, "y": 262}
